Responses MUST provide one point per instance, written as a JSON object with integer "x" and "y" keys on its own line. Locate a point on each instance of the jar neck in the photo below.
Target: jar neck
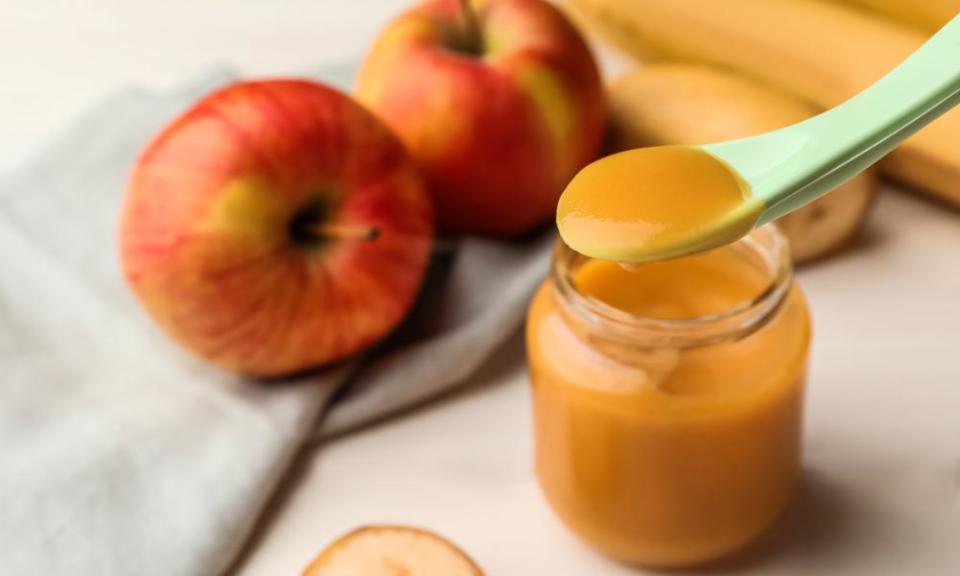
{"x": 766, "y": 249}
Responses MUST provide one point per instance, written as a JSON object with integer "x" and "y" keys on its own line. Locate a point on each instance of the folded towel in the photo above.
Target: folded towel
{"x": 121, "y": 454}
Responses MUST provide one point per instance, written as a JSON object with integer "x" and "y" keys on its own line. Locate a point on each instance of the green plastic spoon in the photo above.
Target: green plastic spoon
{"x": 776, "y": 172}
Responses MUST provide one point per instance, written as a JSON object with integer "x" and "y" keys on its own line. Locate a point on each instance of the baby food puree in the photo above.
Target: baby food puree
{"x": 654, "y": 203}
{"x": 668, "y": 396}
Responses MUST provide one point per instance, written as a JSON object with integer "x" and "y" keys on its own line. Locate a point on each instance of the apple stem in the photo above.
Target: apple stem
{"x": 334, "y": 231}
{"x": 471, "y": 27}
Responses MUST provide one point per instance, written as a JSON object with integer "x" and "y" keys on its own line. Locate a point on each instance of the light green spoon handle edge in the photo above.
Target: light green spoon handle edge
{"x": 789, "y": 168}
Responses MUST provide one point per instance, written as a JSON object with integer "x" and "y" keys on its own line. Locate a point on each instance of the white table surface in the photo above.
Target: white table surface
{"x": 881, "y": 491}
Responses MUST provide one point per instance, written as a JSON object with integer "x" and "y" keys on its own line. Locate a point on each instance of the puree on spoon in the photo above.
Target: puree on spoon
{"x": 654, "y": 203}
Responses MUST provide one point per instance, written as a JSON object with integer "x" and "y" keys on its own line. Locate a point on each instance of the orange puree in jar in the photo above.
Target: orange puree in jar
{"x": 668, "y": 397}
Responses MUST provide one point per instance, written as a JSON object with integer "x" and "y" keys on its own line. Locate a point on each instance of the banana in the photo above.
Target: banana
{"x": 392, "y": 550}
{"x": 820, "y": 51}
{"x": 929, "y": 15}
{"x": 696, "y": 104}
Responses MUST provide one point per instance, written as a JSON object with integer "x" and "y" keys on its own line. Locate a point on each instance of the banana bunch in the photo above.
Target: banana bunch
{"x": 696, "y": 104}
{"x": 816, "y": 51}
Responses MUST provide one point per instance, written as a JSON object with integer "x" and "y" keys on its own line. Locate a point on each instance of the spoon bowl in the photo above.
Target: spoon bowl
{"x": 676, "y": 218}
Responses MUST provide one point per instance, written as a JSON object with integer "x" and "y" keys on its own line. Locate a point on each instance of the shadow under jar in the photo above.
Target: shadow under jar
{"x": 668, "y": 398}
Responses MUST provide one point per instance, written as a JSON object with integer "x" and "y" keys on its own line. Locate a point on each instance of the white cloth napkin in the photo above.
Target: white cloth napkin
{"x": 120, "y": 454}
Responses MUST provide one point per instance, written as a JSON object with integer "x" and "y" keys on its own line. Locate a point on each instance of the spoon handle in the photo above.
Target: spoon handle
{"x": 797, "y": 165}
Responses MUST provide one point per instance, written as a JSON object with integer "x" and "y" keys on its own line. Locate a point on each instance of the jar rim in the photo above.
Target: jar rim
{"x": 767, "y": 243}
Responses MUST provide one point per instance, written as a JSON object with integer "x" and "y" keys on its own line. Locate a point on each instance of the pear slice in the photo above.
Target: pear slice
{"x": 392, "y": 551}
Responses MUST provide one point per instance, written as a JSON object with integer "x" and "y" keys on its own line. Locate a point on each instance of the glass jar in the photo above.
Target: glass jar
{"x": 667, "y": 398}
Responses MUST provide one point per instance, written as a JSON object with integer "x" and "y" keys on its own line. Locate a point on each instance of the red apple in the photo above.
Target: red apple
{"x": 499, "y": 101}
{"x": 276, "y": 226}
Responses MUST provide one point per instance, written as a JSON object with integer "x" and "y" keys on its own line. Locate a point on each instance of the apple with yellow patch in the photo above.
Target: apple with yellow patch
{"x": 499, "y": 101}
{"x": 276, "y": 226}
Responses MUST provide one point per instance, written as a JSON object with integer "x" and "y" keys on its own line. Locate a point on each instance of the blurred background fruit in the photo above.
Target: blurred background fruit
{"x": 927, "y": 14}
{"x": 824, "y": 52}
{"x": 499, "y": 101}
{"x": 276, "y": 226}
{"x": 696, "y": 104}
